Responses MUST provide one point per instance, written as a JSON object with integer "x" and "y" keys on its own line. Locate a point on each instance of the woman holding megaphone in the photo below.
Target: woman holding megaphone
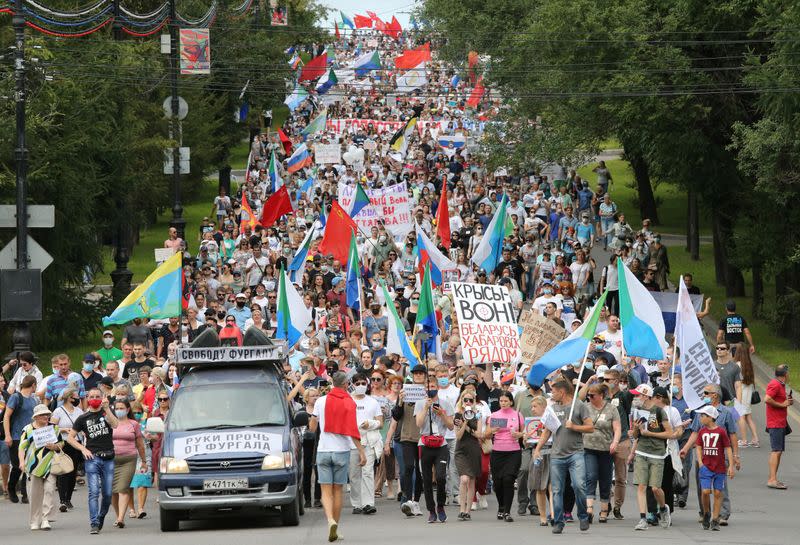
{"x": 468, "y": 427}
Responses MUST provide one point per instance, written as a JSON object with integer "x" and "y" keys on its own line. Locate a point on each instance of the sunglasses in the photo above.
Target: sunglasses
{"x": 163, "y": 399}
{"x": 709, "y": 393}
{"x": 722, "y": 348}
{"x": 468, "y": 399}
{"x": 359, "y": 384}
{"x": 377, "y": 379}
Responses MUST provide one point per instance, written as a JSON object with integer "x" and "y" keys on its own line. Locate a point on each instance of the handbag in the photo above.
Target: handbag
{"x": 755, "y": 398}
{"x": 61, "y": 464}
{"x": 486, "y": 446}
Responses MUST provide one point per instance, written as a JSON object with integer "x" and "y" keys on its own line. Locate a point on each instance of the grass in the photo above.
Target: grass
{"x": 610, "y": 143}
{"x": 670, "y": 199}
{"x": 770, "y": 347}
{"x": 74, "y": 352}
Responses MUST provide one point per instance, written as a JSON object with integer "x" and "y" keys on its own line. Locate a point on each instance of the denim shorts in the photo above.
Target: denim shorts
{"x": 710, "y": 480}
{"x": 777, "y": 439}
{"x": 5, "y": 455}
{"x": 333, "y": 467}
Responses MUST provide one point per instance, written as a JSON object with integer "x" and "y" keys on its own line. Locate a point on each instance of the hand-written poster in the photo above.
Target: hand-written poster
{"x": 390, "y": 206}
{"x": 538, "y": 335}
{"x": 487, "y": 323}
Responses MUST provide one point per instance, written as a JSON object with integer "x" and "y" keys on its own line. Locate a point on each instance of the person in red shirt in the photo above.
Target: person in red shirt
{"x": 714, "y": 451}
{"x": 777, "y": 403}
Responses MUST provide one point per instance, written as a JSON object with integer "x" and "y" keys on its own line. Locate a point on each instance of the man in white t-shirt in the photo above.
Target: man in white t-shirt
{"x": 333, "y": 450}
{"x": 370, "y": 420}
{"x": 613, "y": 337}
{"x": 547, "y": 296}
{"x": 449, "y": 393}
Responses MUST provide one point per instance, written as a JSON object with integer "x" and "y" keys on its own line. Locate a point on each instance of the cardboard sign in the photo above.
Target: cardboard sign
{"x": 327, "y": 154}
{"x": 44, "y": 436}
{"x": 390, "y": 206}
{"x": 414, "y": 393}
{"x": 538, "y": 335}
{"x": 162, "y": 254}
{"x": 225, "y": 442}
{"x": 487, "y": 323}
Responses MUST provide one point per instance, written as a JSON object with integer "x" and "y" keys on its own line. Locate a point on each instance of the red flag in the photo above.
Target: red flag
{"x": 286, "y": 142}
{"x": 380, "y": 26}
{"x": 339, "y": 227}
{"x": 279, "y": 204}
{"x": 338, "y": 36}
{"x": 443, "y": 219}
{"x": 395, "y": 28}
{"x": 314, "y": 68}
{"x": 413, "y": 57}
{"x": 253, "y": 221}
{"x": 362, "y": 22}
{"x": 477, "y": 94}
{"x": 373, "y": 15}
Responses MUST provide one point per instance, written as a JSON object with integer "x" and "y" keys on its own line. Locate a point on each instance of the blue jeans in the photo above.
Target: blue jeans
{"x": 99, "y": 477}
{"x": 576, "y": 466}
{"x": 605, "y": 224}
{"x": 598, "y": 470}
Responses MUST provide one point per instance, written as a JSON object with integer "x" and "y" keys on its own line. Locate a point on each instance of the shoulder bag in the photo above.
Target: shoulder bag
{"x": 755, "y": 397}
{"x": 61, "y": 464}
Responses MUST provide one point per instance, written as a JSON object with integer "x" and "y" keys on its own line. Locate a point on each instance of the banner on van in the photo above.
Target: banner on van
{"x": 225, "y": 442}
{"x": 228, "y": 354}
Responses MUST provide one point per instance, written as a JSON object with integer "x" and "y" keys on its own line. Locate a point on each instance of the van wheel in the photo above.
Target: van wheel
{"x": 301, "y": 503}
{"x": 290, "y": 513}
{"x": 169, "y": 520}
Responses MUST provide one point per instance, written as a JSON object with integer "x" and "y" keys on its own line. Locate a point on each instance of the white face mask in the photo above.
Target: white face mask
{"x": 360, "y": 390}
{"x": 108, "y": 342}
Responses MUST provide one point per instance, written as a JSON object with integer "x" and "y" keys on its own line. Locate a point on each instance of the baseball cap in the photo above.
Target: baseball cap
{"x": 660, "y": 391}
{"x": 419, "y": 368}
{"x": 108, "y": 332}
{"x": 601, "y": 371}
{"x": 643, "y": 389}
{"x": 107, "y": 381}
{"x": 709, "y": 411}
{"x": 88, "y": 357}
{"x": 241, "y": 296}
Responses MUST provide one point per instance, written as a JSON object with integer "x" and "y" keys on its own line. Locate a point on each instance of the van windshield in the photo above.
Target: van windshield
{"x": 219, "y": 406}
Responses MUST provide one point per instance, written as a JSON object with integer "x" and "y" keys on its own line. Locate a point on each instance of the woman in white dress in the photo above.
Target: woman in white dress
{"x": 746, "y": 422}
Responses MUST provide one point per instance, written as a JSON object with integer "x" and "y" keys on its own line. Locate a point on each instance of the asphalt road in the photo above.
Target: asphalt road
{"x": 760, "y": 516}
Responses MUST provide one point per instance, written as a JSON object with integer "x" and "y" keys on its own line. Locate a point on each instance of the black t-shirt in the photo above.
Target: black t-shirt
{"x": 91, "y": 381}
{"x": 98, "y": 432}
{"x": 514, "y": 267}
{"x": 131, "y": 371}
{"x": 733, "y": 325}
{"x": 489, "y": 395}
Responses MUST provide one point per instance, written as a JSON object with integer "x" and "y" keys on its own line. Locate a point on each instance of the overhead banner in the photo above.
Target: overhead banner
{"x": 195, "y": 51}
{"x": 539, "y": 334}
{"x": 327, "y": 153}
{"x": 390, "y": 206}
{"x": 344, "y": 125}
{"x": 487, "y": 323}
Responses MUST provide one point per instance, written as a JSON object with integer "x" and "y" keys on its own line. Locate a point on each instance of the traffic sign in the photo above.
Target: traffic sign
{"x": 183, "y": 108}
{"x": 39, "y": 215}
{"x": 38, "y": 258}
{"x": 184, "y": 153}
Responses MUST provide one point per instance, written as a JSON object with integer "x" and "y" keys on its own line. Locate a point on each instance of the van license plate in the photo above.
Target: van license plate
{"x": 224, "y": 484}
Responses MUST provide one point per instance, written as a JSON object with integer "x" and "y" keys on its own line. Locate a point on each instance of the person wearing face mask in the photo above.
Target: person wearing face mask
{"x": 450, "y": 393}
{"x": 241, "y": 312}
{"x": 370, "y": 420}
{"x": 375, "y": 322}
{"x": 128, "y": 448}
{"x": 376, "y": 347}
{"x": 599, "y": 351}
{"x": 91, "y": 378}
{"x": 109, "y": 352}
{"x": 548, "y": 296}
{"x": 96, "y": 425}
{"x": 622, "y": 400}
{"x": 60, "y": 381}
{"x": 64, "y": 417}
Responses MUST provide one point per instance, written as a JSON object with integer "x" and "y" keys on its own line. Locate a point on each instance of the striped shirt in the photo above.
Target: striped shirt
{"x": 56, "y": 384}
{"x": 37, "y": 460}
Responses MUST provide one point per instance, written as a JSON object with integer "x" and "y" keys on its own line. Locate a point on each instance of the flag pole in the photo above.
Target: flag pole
{"x": 577, "y": 386}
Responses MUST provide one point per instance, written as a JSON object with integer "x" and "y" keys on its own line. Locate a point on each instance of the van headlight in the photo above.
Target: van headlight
{"x": 173, "y": 465}
{"x": 277, "y": 461}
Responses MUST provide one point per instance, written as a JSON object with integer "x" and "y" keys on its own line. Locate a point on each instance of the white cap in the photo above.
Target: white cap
{"x": 601, "y": 371}
{"x": 708, "y": 410}
{"x": 108, "y": 332}
{"x": 643, "y": 389}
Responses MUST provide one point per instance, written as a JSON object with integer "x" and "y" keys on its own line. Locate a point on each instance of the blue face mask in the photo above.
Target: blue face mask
{"x": 88, "y": 367}
{"x": 432, "y": 393}
{"x": 599, "y": 346}
{"x": 706, "y": 400}
{"x": 443, "y": 382}
{"x": 675, "y": 390}
{"x": 589, "y": 365}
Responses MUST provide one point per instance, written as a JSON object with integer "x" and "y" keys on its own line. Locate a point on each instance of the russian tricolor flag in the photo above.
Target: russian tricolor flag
{"x": 299, "y": 159}
{"x": 429, "y": 253}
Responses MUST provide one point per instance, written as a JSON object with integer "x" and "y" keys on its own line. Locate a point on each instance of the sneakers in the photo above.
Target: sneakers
{"x": 95, "y": 530}
{"x": 357, "y": 510}
{"x": 584, "y": 525}
{"x": 641, "y": 525}
{"x": 558, "y": 528}
{"x": 407, "y": 508}
{"x": 706, "y": 521}
{"x": 568, "y": 517}
{"x": 369, "y": 510}
{"x": 460, "y": 517}
{"x": 665, "y": 517}
{"x": 456, "y": 500}
{"x": 34, "y": 527}
{"x": 45, "y": 525}
{"x": 441, "y": 514}
{"x": 332, "y": 531}
{"x": 432, "y": 517}
{"x": 618, "y": 513}
{"x": 682, "y": 504}
{"x": 522, "y": 510}
{"x": 723, "y": 522}
{"x": 474, "y": 506}
{"x": 63, "y": 507}
{"x": 482, "y": 503}
{"x": 317, "y": 504}
{"x": 715, "y": 525}
{"x": 69, "y": 505}
{"x": 416, "y": 509}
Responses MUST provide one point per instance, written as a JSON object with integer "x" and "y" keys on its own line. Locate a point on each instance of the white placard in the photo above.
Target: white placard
{"x": 228, "y": 353}
{"x": 43, "y": 436}
{"x": 390, "y": 205}
{"x": 414, "y": 393}
{"x": 487, "y": 323}
{"x": 162, "y": 254}
{"x": 225, "y": 442}
{"x": 327, "y": 154}
{"x": 550, "y": 420}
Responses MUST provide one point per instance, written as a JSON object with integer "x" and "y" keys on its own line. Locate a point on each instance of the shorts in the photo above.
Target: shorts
{"x": 710, "y": 480}
{"x": 333, "y": 467}
{"x": 777, "y": 439}
{"x": 648, "y": 471}
{"x": 5, "y": 454}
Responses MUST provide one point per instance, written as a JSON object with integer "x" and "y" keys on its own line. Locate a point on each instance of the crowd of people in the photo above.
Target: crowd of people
{"x": 561, "y": 450}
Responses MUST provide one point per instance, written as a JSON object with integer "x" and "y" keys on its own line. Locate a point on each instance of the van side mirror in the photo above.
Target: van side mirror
{"x": 300, "y": 419}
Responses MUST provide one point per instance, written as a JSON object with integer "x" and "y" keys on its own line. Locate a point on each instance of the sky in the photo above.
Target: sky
{"x": 382, "y": 8}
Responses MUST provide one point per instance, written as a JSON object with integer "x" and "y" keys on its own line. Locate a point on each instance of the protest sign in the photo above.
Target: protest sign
{"x": 414, "y": 393}
{"x": 345, "y": 125}
{"x": 486, "y": 323}
{"x": 44, "y": 436}
{"x": 225, "y": 442}
{"x": 390, "y": 206}
{"x": 162, "y": 254}
{"x": 327, "y": 153}
{"x": 538, "y": 335}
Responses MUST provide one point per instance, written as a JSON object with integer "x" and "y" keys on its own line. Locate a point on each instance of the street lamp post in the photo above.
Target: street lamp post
{"x": 175, "y": 125}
